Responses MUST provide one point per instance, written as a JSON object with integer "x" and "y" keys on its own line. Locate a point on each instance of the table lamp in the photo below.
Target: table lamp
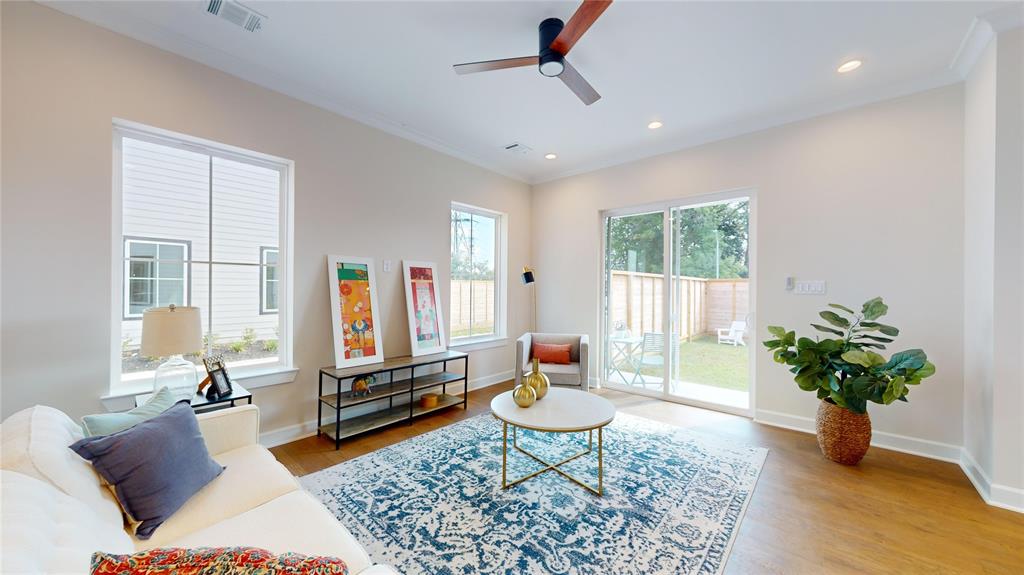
{"x": 172, "y": 332}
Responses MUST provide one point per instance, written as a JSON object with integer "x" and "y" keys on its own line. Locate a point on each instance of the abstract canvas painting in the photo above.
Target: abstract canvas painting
{"x": 354, "y": 311}
{"x": 423, "y": 304}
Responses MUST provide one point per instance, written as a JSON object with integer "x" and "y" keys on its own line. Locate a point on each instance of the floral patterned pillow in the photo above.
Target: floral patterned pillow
{"x": 214, "y": 561}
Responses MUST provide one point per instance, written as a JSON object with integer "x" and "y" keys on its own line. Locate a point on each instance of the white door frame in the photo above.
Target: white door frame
{"x": 666, "y": 207}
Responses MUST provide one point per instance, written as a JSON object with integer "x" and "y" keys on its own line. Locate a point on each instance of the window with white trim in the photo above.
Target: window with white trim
{"x": 205, "y": 226}
{"x": 268, "y": 280}
{"x": 477, "y": 274}
{"x": 155, "y": 275}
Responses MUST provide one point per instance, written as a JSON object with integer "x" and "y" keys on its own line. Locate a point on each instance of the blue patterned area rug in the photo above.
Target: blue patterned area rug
{"x": 434, "y": 505}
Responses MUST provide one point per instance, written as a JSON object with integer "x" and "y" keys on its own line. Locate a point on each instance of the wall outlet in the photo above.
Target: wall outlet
{"x": 387, "y": 266}
{"x": 810, "y": 288}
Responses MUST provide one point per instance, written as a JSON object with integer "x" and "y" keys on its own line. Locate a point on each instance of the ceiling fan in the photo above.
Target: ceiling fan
{"x": 556, "y": 39}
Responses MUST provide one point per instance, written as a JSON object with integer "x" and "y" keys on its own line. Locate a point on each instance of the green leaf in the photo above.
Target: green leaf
{"x": 907, "y": 360}
{"x": 822, "y": 393}
{"x": 899, "y": 386}
{"x": 858, "y": 357}
{"x": 828, "y": 329}
{"x": 807, "y": 381}
{"x": 840, "y": 401}
{"x": 888, "y": 330}
{"x": 874, "y": 309}
{"x": 834, "y": 319}
{"x": 863, "y": 386}
{"x": 772, "y": 343}
{"x": 927, "y": 370}
{"x": 842, "y": 307}
{"x": 875, "y": 338}
{"x": 777, "y": 331}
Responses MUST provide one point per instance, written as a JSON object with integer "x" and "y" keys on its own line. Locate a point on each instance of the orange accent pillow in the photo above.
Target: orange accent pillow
{"x": 552, "y": 352}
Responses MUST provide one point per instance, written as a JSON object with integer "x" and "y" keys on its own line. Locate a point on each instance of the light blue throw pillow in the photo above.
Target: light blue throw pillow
{"x": 108, "y": 423}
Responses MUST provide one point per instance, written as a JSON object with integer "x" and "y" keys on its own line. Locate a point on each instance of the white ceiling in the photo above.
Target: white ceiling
{"x": 707, "y": 70}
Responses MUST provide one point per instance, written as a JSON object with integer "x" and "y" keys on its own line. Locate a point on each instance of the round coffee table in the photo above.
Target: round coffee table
{"x": 561, "y": 411}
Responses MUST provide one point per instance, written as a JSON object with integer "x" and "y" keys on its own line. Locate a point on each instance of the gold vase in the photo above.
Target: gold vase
{"x": 537, "y": 380}
{"x": 524, "y": 395}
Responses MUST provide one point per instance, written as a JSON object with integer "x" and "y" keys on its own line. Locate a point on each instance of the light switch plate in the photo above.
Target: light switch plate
{"x": 387, "y": 266}
{"x": 816, "y": 287}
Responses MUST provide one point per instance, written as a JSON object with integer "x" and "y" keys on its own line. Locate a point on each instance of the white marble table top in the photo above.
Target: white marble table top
{"x": 561, "y": 410}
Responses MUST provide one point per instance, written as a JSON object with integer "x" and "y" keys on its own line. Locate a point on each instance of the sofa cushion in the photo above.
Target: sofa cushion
{"x": 45, "y": 530}
{"x": 35, "y": 443}
{"x": 252, "y": 477}
{"x": 214, "y": 560}
{"x": 562, "y": 374}
{"x": 108, "y": 423}
{"x": 303, "y": 525}
{"x": 552, "y": 353}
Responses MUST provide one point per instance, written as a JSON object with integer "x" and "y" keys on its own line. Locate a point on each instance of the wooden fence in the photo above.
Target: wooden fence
{"x": 704, "y": 305}
{"x": 475, "y": 295}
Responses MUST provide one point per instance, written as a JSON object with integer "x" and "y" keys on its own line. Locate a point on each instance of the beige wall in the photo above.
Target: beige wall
{"x": 869, "y": 200}
{"x": 994, "y": 271}
{"x": 358, "y": 191}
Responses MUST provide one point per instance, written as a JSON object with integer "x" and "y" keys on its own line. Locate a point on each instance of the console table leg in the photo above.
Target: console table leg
{"x": 504, "y": 453}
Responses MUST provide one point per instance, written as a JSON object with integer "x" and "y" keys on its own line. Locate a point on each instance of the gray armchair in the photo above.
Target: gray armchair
{"x": 576, "y": 374}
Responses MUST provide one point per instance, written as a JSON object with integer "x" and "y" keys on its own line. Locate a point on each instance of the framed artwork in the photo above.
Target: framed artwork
{"x": 423, "y": 303}
{"x": 355, "y": 311}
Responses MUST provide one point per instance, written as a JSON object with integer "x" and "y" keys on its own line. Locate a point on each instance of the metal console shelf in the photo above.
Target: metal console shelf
{"x": 340, "y": 400}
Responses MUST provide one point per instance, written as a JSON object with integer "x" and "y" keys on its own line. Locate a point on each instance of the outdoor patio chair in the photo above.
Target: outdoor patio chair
{"x": 733, "y": 335}
{"x": 652, "y": 354}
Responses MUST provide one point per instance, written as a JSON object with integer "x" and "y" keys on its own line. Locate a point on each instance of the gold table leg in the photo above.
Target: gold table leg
{"x": 505, "y": 484}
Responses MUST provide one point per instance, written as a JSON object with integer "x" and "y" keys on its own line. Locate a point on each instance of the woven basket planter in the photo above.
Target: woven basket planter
{"x": 843, "y": 436}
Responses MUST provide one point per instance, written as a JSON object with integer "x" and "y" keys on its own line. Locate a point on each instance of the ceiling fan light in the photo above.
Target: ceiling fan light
{"x": 552, "y": 68}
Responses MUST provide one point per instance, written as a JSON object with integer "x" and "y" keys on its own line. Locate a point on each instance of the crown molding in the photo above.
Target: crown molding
{"x": 982, "y": 30}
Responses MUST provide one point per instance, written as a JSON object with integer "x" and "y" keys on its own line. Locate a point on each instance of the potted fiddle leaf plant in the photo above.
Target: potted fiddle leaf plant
{"x": 847, "y": 372}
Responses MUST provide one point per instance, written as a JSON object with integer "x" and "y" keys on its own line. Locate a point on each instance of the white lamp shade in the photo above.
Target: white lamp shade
{"x": 170, "y": 331}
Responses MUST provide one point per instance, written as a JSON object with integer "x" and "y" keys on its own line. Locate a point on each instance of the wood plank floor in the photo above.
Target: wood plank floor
{"x": 893, "y": 513}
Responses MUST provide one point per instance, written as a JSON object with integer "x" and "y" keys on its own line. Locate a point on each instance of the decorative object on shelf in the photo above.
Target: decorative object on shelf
{"x": 423, "y": 304}
{"x": 354, "y": 308}
{"x": 846, "y": 374}
{"x": 172, "y": 332}
{"x": 529, "y": 279}
{"x": 524, "y": 394}
{"x": 361, "y": 385}
{"x": 537, "y": 380}
{"x": 429, "y": 400}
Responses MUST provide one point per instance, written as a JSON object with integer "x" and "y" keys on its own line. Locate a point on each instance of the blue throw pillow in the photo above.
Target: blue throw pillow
{"x": 155, "y": 466}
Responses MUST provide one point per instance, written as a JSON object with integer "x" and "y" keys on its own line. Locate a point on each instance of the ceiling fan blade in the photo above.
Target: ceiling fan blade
{"x": 488, "y": 65}
{"x": 580, "y": 22}
{"x": 578, "y": 85}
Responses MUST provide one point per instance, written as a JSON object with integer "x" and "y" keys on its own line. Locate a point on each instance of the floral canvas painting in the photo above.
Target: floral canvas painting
{"x": 423, "y": 302}
{"x": 354, "y": 308}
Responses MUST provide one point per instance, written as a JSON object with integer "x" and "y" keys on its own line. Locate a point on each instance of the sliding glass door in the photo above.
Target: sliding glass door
{"x": 677, "y": 310}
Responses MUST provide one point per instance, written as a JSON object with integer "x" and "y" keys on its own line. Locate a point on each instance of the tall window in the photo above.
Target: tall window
{"x": 202, "y": 226}
{"x": 477, "y": 275}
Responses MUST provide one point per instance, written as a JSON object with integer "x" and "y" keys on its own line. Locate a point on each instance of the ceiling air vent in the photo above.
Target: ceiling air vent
{"x": 518, "y": 148}
{"x": 237, "y": 14}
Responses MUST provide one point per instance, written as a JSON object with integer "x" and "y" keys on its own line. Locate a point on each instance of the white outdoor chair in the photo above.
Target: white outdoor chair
{"x": 652, "y": 354}
{"x": 733, "y": 335}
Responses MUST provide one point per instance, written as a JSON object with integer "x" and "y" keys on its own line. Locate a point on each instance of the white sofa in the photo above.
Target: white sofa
{"x": 56, "y": 513}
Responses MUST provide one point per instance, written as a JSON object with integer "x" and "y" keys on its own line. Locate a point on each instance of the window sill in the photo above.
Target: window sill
{"x": 123, "y": 398}
{"x": 477, "y": 344}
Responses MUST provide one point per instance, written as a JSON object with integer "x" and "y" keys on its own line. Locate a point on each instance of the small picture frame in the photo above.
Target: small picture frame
{"x": 219, "y": 383}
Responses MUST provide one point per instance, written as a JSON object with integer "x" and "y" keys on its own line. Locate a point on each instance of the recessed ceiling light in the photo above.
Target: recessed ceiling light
{"x": 654, "y": 125}
{"x": 849, "y": 66}
{"x": 550, "y": 156}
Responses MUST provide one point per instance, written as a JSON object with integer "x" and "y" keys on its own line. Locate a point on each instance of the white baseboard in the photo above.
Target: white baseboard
{"x": 993, "y": 494}
{"x": 290, "y": 433}
{"x": 893, "y": 441}
{"x": 996, "y": 495}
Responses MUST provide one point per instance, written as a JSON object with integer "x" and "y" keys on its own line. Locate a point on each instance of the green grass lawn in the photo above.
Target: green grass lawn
{"x": 707, "y": 362}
